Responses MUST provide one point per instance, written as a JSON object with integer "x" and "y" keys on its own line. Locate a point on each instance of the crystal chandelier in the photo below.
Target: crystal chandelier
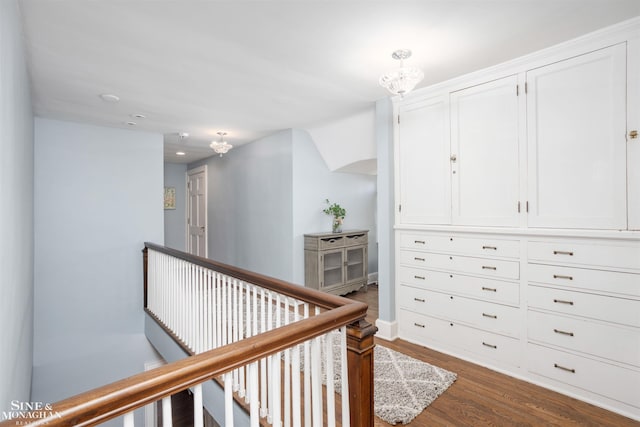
{"x": 403, "y": 80}
{"x": 221, "y": 147}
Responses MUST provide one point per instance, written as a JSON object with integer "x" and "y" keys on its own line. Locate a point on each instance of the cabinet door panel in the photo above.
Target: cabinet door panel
{"x": 484, "y": 138}
{"x": 423, "y": 157}
{"x": 576, "y": 112}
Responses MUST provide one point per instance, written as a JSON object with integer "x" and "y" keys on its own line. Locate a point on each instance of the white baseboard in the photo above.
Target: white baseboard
{"x": 387, "y": 330}
{"x": 372, "y": 278}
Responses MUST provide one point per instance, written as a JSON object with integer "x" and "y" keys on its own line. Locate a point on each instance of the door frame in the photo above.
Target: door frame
{"x": 194, "y": 171}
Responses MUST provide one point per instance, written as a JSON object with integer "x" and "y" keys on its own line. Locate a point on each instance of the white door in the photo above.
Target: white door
{"x": 485, "y": 154}
{"x": 197, "y": 211}
{"x": 423, "y": 162}
{"x": 576, "y": 120}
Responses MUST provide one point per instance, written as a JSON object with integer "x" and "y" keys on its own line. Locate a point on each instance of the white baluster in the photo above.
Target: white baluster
{"x": 167, "y": 421}
{"x": 345, "y": 377}
{"x": 228, "y": 399}
{"x": 295, "y": 380}
{"x": 128, "y": 420}
{"x": 307, "y": 375}
{"x": 253, "y": 393}
{"x": 263, "y": 362}
{"x": 287, "y": 371}
{"x": 331, "y": 400}
{"x": 316, "y": 381}
{"x": 198, "y": 413}
{"x": 275, "y": 407}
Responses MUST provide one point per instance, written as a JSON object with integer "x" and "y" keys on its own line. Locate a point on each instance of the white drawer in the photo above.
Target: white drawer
{"x": 481, "y": 266}
{"x": 462, "y": 245}
{"x": 584, "y": 279}
{"x": 607, "y": 380}
{"x": 610, "y": 309}
{"x": 492, "y": 290}
{"x": 424, "y": 329}
{"x": 602, "y": 255}
{"x": 598, "y": 339}
{"x": 485, "y": 247}
{"x": 424, "y": 242}
{"x": 496, "y": 318}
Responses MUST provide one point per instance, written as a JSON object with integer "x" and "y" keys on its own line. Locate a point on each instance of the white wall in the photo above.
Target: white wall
{"x": 313, "y": 183}
{"x": 16, "y": 213}
{"x": 348, "y": 144}
{"x": 175, "y": 219}
{"x": 98, "y": 198}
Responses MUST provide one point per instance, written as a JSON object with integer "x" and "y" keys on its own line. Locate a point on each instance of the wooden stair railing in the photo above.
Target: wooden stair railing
{"x": 122, "y": 397}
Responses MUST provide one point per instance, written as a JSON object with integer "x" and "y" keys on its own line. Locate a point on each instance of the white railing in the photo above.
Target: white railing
{"x": 206, "y": 309}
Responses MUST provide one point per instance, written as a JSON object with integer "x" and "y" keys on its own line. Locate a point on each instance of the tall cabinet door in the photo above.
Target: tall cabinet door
{"x": 576, "y": 120}
{"x": 423, "y": 162}
{"x": 485, "y": 154}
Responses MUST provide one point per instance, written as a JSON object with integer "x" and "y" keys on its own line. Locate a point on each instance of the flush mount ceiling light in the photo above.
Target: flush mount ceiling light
{"x": 109, "y": 97}
{"x": 180, "y": 153}
{"x": 403, "y": 80}
{"x": 221, "y": 147}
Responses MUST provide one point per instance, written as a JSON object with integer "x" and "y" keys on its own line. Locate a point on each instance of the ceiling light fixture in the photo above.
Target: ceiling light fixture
{"x": 108, "y": 97}
{"x": 180, "y": 153}
{"x": 221, "y": 147}
{"x": 403, "y": 80}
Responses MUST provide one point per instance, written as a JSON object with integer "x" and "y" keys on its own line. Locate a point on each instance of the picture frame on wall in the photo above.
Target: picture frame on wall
{"x": 169, "y": 197}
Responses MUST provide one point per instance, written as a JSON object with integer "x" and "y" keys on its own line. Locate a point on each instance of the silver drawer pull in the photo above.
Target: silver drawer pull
{"x": 493, "y": 248}
{"x": 555, "y": 365}
{"x": 560, "y": 301}
{"x": 489, "y": 345}
{"x": 488, "y": 267}
{"x": 558, "y": 331}
{"x": 418, "y": 258}
{"x": 563, "y": 253}
{"x": 484, "y": 288}
{"x": 490, "y": 316}
{"x": 419, "y": 242}
{"x": 419, "y": 277}
{"x": 419, "y": 299}
{"x": 560, "y": 276}
{"x": 418, "y": 325}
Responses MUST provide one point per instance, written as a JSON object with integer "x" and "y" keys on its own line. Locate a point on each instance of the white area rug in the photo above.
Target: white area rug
{"x": 403, "y": 386}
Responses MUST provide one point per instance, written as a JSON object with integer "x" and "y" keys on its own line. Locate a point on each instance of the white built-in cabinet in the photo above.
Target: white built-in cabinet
{"x": 518, "y": 205}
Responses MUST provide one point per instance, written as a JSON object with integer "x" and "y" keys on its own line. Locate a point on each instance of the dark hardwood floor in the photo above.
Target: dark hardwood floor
{"x": 482, "y": 397}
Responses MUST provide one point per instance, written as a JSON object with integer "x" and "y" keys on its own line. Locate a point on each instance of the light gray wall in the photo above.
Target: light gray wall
{"x": 16, "y": 213}
{"x": 386, "y": 210}
{"x": 250, "y": 206}
{"x": 175, "y": 219}
{"x": 313, "y": 183}
{"x": 98, "y": 198}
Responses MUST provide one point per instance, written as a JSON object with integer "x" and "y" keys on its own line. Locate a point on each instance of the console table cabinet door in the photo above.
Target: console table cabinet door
{"x": 423, "y": 162}
{"x": 485, "y": 154}
{"x": 576, "y": 112}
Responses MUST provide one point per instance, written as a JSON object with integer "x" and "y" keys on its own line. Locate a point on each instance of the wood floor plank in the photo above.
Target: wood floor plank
{"x": 482, "y": 397}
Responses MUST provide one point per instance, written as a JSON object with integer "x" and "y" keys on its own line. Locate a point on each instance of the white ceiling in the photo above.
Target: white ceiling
{"x": 251, "y": 68}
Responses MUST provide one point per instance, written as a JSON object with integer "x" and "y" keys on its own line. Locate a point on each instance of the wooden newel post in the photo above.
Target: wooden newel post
{"x": 145, "y": 273}
{"x": 360, "y": 360}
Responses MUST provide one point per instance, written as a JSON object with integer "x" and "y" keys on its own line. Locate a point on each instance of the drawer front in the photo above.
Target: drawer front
{"x": 464, "y": 245}
{"x": 424, "y": 242}
{"x": 483, "y": 315}
{"x": 616, "y": 256}
{"x": 598, "y": 339}
{"x": 583, "y": 279}
{"x": 609, "y": 309}
{"x": 485, "y": 247}
{"x": 424, "y": 329}
{"x": 491, "y": 290}
{"x": 611, "y": 381}
{"x": 482, "y": 266}
{"x": 355, "y": 239}
{"x": 331, "y": 242}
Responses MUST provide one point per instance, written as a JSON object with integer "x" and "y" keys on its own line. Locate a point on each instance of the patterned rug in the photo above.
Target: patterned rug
{"x": 403, "y": 386}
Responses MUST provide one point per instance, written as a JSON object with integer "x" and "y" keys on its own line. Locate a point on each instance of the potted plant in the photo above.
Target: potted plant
{"x": 338, "y": 213}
